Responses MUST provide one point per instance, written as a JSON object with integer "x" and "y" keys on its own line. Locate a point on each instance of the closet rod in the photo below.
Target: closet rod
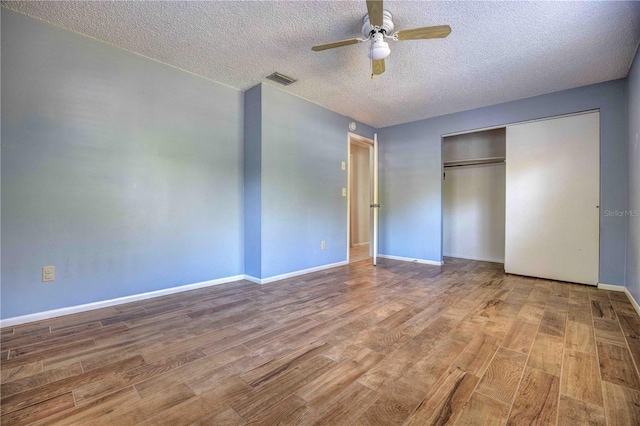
{"x": 474, "y": 162}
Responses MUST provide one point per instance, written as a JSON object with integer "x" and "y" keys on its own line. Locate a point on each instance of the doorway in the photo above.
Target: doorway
{"x": 360, "y": 195}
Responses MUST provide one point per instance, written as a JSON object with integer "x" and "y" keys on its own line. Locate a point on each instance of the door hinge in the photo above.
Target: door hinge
{"x": 374, "y": 206}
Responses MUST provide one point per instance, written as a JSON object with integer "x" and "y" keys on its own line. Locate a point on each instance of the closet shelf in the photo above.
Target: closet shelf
{"x": 474, "y": 162}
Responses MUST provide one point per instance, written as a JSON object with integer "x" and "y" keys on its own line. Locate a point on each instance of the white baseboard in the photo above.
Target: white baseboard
{"x": 633, "y": 301}
{"x": 611, "y": 287}
{"x": 293, "y": 274}
{"x": 252, "y": 279}
{"x": 480, "y": 259}
{"x": 409, "y": 259}
{"x": 622, "y": 288}
{"x": 39, "y": 316}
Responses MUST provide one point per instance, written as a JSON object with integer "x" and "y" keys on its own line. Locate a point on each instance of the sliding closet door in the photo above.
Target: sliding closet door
{"x": 552, "y": 198}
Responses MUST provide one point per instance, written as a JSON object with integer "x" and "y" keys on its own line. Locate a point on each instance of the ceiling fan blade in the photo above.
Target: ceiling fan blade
{"x": 378, "y": 67}
{"x": 441, "y": 31}
{"x": 335, "y": 44}
{"x": 374, "y": 7}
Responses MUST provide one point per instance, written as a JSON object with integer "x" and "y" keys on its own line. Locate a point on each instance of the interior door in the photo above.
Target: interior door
{"x": 552, "y": 198}
{"x": 375, "y": 206}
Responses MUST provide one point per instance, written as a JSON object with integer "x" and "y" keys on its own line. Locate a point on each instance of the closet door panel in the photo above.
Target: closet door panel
{"x": 552, "y": 198}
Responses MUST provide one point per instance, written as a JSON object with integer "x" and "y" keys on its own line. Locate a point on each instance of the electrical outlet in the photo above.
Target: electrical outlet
{"x": 344, "y": 192}
{"x": 48, "y": 273}
{"x": 324, "y": 245}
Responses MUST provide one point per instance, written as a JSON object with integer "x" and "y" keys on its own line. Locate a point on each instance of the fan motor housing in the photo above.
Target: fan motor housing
{"x": 387, "y": 24}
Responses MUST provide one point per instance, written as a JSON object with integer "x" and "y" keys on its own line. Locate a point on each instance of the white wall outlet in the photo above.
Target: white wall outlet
{"x": 48, "y": 273}
{"x": 344, "y": 192}
{"x": 323, "y": 245}
{"x": 344, "y": 166}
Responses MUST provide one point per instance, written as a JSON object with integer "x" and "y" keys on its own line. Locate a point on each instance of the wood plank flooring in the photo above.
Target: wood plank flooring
{"x": 358, "y": 253}
{"x": 401, "y": 343}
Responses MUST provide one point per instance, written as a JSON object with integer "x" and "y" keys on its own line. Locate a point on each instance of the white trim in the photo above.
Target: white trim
{"x": 38, "y": 316}
{"x": 295, "y": 273}
{"x": 360, "y": 140}
{"x": 611, "y": 287}
{"x": 466, "y": 132}
{"x": 473, "y": 258}
{"x": 375, "y": 214}
{"x": 633, "y": 301}
{"x": 482, "y": 129}
{"x": 252, "y": 279}
{"x": 409, "y": 259}
{"x": 348, "y": 196}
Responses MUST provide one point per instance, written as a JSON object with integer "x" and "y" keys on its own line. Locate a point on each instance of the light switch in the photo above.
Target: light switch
{"x": 344, "y": 192}
{"x": 323, "y": 245}
{"x": 344, "y": 166}
{"x": 48, "y": 273}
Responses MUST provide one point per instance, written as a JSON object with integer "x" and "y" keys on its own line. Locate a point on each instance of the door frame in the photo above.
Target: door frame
{"x": 365, "y": 142}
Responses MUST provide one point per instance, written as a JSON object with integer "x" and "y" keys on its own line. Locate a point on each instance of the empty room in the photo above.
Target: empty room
{"x": 320, "y": 213}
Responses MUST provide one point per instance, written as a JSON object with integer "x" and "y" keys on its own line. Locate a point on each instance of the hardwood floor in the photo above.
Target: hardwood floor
{"x": 358, "y": 253}
{"x": 401, "y": 343}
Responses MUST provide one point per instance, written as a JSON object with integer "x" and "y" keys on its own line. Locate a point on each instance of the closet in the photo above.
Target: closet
{"x": 474, "y": 195}
{"x": 526, "y": 195}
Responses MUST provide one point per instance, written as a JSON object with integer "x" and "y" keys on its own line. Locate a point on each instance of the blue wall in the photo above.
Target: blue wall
{"x": 124, "y": 173}
{"x": 253, "y": 181}
{"x": 303, "y": 146}
{"x": 633, "y": 235}
{"x": 411, "y": 170}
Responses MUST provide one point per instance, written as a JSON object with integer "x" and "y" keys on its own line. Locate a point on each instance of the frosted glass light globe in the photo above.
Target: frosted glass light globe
{"x": 379, "y": 50}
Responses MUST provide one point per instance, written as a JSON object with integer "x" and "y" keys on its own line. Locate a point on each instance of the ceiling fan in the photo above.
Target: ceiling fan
{"x": 378, "y": 26}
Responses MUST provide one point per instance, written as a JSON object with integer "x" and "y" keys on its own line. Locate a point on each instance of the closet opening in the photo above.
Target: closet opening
{"x": 473, "y": 195}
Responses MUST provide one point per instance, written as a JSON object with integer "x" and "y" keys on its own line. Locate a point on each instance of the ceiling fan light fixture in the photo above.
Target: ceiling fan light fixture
{"x": 379, "y": 48}
{"x": 377, "y": 25}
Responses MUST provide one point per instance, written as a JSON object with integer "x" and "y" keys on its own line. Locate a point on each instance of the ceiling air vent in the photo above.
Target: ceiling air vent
{"x": 281, "y": 78}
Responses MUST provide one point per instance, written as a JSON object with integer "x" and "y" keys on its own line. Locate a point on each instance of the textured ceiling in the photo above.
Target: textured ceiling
{"x": 497, "y": 51}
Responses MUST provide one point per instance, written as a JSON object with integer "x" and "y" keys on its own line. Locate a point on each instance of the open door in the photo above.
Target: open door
{"x": 375, "y": 206}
